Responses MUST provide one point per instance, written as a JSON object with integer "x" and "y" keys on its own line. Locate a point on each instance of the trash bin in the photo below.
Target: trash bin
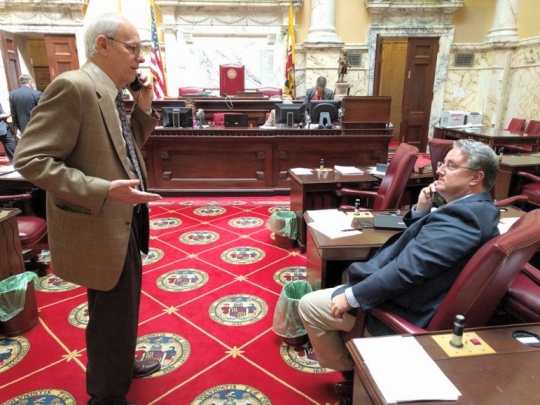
{"x": 285, "y": 226}
{"x": 287, "y": 323}
{"x": 18, "y": 306}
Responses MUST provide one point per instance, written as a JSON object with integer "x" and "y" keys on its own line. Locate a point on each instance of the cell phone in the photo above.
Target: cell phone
{"x": 437, "y": 200}
{"x": 136, "y": 84}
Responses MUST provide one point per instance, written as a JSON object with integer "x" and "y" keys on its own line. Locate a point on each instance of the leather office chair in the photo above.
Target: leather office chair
{"x": 529, "y": 185}
{"x": 32, "y": 232}
{"x": 516, "y": 125}
{"x": 522, "y": 300}
{"x": 533, "y": 128}
{"x": 184, "y": 91}
{"x": 219, "y": 118}
{"x": 393, "y": 183}
{"x": 270, "y": 91}
{"x": 438, "y": 148}
{"x": 480, "y": 286}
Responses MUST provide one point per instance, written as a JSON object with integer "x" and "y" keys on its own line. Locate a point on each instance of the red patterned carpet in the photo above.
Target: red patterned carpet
{"x": 210, "y": 285}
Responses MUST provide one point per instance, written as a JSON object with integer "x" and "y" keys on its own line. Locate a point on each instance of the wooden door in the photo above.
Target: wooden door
{"x": 61, "y": 54}
{"x": 418, "y": 90}
{"x": 378, "y": 66}
{"x": 10, "y": 56}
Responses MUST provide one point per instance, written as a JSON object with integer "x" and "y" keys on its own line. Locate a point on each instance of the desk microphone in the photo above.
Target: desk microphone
{"x": 457, "y": 332}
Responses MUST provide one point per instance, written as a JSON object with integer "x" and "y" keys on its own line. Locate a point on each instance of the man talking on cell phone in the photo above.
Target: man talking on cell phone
{"x": 413, "y": 271}
{"x": 81, "y": 148}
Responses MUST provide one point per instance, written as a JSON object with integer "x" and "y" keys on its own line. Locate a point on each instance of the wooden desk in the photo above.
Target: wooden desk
{"x": 509, "y": 376}
{"x": 189, "y": 161}
{"x": 11, "y": 257}
{"x": 327, "y": 258}
{"x": 507, "y": 180}
{"x": 14, "y": 183}
{"x": 493, "y": 137}
{"x": 318, "y": 190}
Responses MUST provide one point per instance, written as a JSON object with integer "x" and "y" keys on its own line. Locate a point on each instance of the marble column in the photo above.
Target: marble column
{"x": 322, "y": 29}
{"x": 504, "y": 27}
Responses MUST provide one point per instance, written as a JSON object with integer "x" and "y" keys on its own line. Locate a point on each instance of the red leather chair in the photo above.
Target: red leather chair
{"x": 533, "y": 128}
{"x": 393, "y": 183}
{"x": 529, "y": 185}
{"x": 516, "y": 125}
{"x": 438, "y": 148}
{"x": 481, "y": 285}
{"x": 522, "y": 300}
{"x": 184, "y": 91}
{"x": 270, "y": 91}
{"x": 219, "y": 118}
{"x": 32, "y": 232}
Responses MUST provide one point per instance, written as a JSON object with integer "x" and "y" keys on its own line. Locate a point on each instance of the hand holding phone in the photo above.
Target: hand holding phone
{"x": 136, "y": 84}
{"x": 437, "y": 200}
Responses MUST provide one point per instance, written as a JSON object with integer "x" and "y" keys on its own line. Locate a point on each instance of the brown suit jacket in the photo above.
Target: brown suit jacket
{"x": 73, "y": 148}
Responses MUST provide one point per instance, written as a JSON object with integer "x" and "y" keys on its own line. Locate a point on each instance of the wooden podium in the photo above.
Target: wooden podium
{"x": 231, "y": 79}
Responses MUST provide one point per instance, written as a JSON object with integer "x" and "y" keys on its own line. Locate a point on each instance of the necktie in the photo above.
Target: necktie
{"x": 128, "y": 137}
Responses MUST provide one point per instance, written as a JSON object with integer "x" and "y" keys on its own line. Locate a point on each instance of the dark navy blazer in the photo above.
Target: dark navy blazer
{"x": 413, "y": 271}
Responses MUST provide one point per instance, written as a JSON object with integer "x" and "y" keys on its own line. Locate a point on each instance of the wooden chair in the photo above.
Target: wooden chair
{"x": 480, "y": 286}
{"x": 394, "y": 182}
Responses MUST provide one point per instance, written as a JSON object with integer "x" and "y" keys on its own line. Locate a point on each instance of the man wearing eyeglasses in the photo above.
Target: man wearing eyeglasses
{"x": 82, "y": 149}
{"x": 413, "y": 271}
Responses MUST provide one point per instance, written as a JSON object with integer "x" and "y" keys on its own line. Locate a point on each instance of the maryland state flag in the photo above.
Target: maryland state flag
{"x": 290, "y": 87}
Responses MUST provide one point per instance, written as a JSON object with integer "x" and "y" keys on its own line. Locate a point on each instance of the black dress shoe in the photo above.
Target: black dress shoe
{"x": 144, "y": 368}
{"x": 344, "y": 389}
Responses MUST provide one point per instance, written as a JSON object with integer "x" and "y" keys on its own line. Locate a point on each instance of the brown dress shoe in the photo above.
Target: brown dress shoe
{"x": 143, "y": 368}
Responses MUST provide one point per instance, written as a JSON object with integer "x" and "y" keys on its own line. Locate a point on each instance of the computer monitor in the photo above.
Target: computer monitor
{"x": 235, "y": 120}
{"x": 324, "y": 112}
{"x": 283, "y": 110}
{"x": 177, "y": 117}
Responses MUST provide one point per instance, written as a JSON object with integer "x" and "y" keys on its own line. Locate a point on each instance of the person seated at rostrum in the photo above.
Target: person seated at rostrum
{"x": 413, "y": 271}
{"x": 197, "y": 115}
{"x": 319, "y": 92}
{"x": 271, "y": 121}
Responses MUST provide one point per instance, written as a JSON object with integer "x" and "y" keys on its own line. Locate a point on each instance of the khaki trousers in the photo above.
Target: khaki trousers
{"x": 324, "y": 330}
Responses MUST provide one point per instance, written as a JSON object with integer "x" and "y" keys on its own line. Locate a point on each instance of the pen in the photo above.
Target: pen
{"x": 349, "y": 230}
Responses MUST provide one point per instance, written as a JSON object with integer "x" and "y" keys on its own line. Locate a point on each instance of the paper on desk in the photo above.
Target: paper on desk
{"x": 301, "y": 170}
{"x": 348, "y": 170}
{"x": 332, "y": 223}
{"x": 6, "y": 169}
{"x": 373, "y": 170}
{"x": 403, "y": 371}
{"x": 506, "y": 223}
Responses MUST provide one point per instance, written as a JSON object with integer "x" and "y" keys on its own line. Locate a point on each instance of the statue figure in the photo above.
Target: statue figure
{"x": 343, "y": 66}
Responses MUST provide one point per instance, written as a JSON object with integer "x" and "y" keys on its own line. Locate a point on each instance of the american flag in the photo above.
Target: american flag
{"x": 156, "y": 65}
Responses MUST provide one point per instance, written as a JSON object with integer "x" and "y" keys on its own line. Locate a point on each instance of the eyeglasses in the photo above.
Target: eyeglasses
{"x": 451, "y": 167}
{"x": 135, "y": 49}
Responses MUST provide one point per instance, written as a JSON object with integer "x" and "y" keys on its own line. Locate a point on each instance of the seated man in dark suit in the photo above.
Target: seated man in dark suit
{"x": 319, "y": 92}
{"x": 198, "y": 115}
{"x": 413, "y": 271}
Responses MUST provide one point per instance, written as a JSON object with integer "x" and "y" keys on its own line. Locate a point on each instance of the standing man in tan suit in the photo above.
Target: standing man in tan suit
{"x": 85, "y": 153}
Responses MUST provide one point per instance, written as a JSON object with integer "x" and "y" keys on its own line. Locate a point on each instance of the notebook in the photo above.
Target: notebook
{"x": 389, "y": 222}
{"x": 236, "y": 120}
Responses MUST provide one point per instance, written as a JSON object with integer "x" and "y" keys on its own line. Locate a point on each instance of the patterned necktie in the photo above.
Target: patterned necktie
{"x": 128, "y": 137}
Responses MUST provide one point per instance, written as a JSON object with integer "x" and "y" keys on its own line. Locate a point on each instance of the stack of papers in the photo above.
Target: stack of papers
{"x": 506, "y": 223}
{"x": 348, "y": 170}
{"x": 301, "y": 170}
{"x": 332, "y": 223}
{"x": 403, "y": 371}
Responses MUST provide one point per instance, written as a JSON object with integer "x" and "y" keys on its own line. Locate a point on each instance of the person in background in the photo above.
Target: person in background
{"x": 22, "y": 101}
{"x": 413, "y": 271}
{"x": 197, "y": 115}
{"x": 81, "y": 148}
{"x": 271, "y": 121}
{"x": 319, "y": 92}
{"x": 6, "y": 136}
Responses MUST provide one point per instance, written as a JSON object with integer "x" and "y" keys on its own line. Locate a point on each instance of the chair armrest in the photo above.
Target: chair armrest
{"x": 15, "y": 197}
{"x": 529, "y": 176}
{"x": 395, "y": 322}
{"x": 532, "y": 272}
{"x": 358, "y": 193}
{"x": 511, "y": 200}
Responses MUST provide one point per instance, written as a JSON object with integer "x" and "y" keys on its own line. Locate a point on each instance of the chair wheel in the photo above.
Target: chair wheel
{"x": 345, "y": 401}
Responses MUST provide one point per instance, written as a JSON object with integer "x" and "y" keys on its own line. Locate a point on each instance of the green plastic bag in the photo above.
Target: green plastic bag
{"x": 13, "y": 293}
{"x": 287, "y": 321}
{"x": 283, "y": 223}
